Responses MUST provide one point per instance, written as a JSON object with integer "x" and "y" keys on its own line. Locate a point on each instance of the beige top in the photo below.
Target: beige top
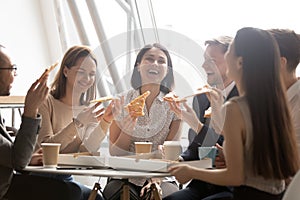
{"x": 58, "y": 127}
{"x": 293, "y": 95}
{"x": 258, "y": 182}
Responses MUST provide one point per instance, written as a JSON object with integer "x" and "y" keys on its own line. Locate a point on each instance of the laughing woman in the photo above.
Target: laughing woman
{"x": 153, "y": 71}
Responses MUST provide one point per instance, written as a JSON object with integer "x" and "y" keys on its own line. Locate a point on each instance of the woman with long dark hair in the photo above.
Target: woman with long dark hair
{"x": 260, "y": 146}
{"x": 153, "y": 71}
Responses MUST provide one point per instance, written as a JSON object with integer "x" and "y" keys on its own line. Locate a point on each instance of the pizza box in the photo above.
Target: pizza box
{"x": 95, "y": 161}
{"x": 152, "y": 165}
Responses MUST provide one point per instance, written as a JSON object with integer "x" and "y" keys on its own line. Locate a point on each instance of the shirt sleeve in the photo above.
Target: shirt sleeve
{"x": 93, "y": 142}
{"x": 18, "y": 154}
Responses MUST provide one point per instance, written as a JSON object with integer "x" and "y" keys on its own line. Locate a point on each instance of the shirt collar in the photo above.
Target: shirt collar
{"x": 160, "y": 96}
{"x": 293, "y": 90}
{"x": 228, "y": 89}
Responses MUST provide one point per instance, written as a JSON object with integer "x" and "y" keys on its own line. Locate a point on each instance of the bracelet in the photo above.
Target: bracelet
{"x": 78, "y": 123}
{"x": 107, "y": 121}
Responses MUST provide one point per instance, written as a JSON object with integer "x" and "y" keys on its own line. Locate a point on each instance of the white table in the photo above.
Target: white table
{"x": 98, "y": 172}
{"x": 123, "y": 174}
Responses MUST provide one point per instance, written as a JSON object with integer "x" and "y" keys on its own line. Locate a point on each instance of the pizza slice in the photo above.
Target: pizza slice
{"x": 136, "y": 106}
{"x": 170, "y": 97}
{"x": 48, "y": 70}
{"x": 173, "y": 97}
{"x": 207, "y": 113}
{"x": 204, "y": 89}
{"x": 102, "y": 99}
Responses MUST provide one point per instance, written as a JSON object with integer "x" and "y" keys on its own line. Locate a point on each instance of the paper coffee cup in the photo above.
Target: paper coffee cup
{"x": 143, "y": 147}
{"x": 171, "y": 150}
{"x": 50, "y": 154}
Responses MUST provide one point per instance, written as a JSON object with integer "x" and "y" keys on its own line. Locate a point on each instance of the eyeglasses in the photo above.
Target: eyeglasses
{"x": 12, "y": 68}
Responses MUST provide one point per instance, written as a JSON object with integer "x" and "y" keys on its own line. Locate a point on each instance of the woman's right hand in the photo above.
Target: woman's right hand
{"x": 127, "y": 124}
{"x": 37, "y": 158}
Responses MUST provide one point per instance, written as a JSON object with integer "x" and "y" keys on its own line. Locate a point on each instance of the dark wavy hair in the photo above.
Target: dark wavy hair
{"x": 58, "y": 87}
{"x": 274, "y": 147}
{"x": 167, "y": 84}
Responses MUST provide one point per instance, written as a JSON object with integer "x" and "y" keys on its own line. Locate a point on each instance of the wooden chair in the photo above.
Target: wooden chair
{"x": 94, "y": 191}
{"x": 155, "y": 192}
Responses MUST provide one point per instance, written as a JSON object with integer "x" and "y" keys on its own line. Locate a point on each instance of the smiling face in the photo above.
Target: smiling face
{"x": 153, "y": 66}
{"x": 81, "y": 76}
{"x": 6, "y": 75}
{"x": 234, "y": 70}
{"x": 215, "y": 65}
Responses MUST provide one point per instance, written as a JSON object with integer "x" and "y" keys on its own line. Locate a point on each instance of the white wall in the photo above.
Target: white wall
{"x": 23, "y": 34}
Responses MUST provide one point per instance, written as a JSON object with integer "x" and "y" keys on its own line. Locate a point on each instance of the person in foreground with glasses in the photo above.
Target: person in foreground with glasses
{"x": 13, "y": 70}
{"x": 15, "y": 155}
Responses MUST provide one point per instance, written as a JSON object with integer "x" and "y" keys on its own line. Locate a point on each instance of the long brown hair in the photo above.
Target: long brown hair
{"x": 274, "y": 147}
{"x": 58, "y": 87}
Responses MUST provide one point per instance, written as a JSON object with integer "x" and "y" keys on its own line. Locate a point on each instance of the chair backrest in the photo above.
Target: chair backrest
{"x": 292, "y": 192}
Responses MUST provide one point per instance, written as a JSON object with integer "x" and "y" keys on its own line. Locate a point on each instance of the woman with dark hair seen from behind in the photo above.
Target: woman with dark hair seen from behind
{"x": 153, "y": 71}
{"x": 260, "y": 146}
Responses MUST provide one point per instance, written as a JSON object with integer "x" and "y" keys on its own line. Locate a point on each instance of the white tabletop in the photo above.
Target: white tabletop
{"x": 98, "y": 172}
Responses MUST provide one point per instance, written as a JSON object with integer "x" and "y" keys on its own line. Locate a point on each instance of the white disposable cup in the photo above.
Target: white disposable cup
{"x": 171, "y": 150}
{"x": 50, "y": 154}
{"x": 143, "y": 147}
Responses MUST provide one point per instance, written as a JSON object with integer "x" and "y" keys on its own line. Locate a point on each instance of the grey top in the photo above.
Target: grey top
{"x": 17, "y": 154}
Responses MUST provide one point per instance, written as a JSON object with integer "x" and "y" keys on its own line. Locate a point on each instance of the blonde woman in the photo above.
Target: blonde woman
{"x": 67, "y": 117}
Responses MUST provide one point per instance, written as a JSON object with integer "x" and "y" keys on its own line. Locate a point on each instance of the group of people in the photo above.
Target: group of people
{"x": 255, "y": 102}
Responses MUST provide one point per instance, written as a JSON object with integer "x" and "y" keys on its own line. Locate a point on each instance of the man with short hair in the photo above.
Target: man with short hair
{"x": 15, "y": 155}
{"x": 215, "y": 67}
{"x": 201, "y": 134}
{"x": 289, "y": 46}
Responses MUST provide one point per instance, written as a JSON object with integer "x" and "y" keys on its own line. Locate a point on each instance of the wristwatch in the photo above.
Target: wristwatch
{"x": 77, "y": 123}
